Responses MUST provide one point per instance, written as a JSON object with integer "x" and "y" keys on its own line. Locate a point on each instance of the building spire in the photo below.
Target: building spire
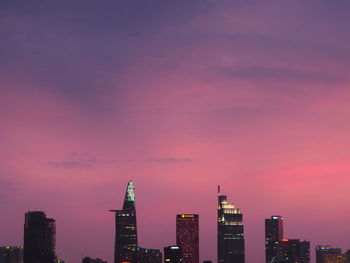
{"x": 130, "y": 191}
{"x": 219, "y": 190}
{"x": 129, "y": 199}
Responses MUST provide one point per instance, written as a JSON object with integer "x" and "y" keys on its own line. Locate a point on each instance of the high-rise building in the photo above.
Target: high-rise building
{"x": 144, "y": 255}
{"x": 273, "y": 238}
{"x": 172, "y": 254}
{"x": 323, "y": 251}
{"x": 126, "y": 230}
{"x": 295, "y": 251}
{"x": 39, "y": 238}
{"x": 230, "y": 242}
{"x": 91, "y": 260}
{"x": 10, "y": 254}
{"x": 187, "y": 237}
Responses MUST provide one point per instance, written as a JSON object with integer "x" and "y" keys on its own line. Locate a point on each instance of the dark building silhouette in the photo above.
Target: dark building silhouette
{"x": 144, "y": 255}
{"x": 91, "y": 260}
{"x": 273, "y": 239}
{"x": 327, "y": 254}
{"x": 126, "y": 230}
{"x": 207, "y": 261}
{"x": 295, "y": 251}
{"x": 172, "y": 254}
{"x": 10, "y": 254}
{"x": 187, "y": 237}
{"x": 39, "y": 238}
{"x": 230, "y": 239}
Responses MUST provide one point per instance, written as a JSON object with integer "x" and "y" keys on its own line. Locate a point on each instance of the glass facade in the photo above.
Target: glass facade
{"x": 187, "y": 237}
{"x": 230, "y": 239}
{"x": 126, "y": 230}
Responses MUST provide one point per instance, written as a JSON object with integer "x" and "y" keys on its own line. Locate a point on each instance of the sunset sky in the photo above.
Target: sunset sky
{"x": 179, "y": 96}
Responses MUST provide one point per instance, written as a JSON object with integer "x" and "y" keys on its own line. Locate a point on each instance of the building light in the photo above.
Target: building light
{"x": 190, "y": 216}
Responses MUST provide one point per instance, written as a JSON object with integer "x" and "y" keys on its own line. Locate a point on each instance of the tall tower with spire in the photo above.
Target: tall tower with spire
{"x": 125, "y": 225}
{"x": 230, "y": 243}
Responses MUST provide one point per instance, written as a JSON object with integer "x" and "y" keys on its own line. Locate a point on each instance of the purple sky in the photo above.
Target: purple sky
{"x": 180, "y": 96}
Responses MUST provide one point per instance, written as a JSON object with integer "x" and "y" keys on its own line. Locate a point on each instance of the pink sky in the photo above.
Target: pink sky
{"x": 179, "y": 96}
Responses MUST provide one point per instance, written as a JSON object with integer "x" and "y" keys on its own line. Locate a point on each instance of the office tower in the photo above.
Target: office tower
{"x": 39, "y": 238}
{"x": 187, "y": 237}
{"x": 172, "y": 254}
{"x": 230, "y": 242}
{"x": 125, "y": 224}
{"x": 144, "y": 255}
{"x": 10, "y": 254}
{"x": 273, "y": 238}
{"x": 294, "y": 250}
{"x": 322, "y": 251}
{"x": 91, "y": 260}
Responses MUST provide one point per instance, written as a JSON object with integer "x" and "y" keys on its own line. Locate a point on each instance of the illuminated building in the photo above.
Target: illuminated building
{"x": 126, "y": 230}
{"x": 295, "y": 251}
{"x": 336, "y": 258}
{"x": 172, "y": 254}
{"x": 322, "y": 251}
{"x": 39, "y": 238}
{"x": 230, "y": 239}
{"x": 327, "y": 254}
{"x": 144, "y": 255}
{"x": 273, "y": 238}
{"x": 91, "y": 260}
{"x": 187, "y": 237}
{"x": 10, "y": 254}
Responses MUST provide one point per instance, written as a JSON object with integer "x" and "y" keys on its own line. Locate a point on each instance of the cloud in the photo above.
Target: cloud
{"x": 8, "y": 185}
{"x": 280, "y": 74}
{"x": 78, "y": 160}
{"x": 171, "y": 160}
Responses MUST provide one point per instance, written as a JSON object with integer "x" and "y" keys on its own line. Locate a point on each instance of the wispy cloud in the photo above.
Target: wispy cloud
{"x": 8, "y": 185}
{"x": 280, "y": 73}
{"x": 171, "y": 160}
{"x": 77, "y": 160}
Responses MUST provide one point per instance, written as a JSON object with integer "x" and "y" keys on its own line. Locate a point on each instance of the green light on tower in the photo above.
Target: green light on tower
{"x": 130, "y": 194}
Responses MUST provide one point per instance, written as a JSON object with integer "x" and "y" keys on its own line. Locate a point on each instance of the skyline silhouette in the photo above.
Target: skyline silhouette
{"x": 40, "y": 238}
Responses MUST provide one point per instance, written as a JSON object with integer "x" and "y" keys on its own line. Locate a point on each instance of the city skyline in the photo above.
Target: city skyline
{"x": 180, "y": 96}
{"x": 39, "y": 243}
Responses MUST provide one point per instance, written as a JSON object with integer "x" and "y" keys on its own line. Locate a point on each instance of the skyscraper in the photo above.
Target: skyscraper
{"x": 294, "y": 250}
{"x": 187, "y": 237}
{"x": 126, "y": 230}
{"x": 10, "y": 254}
{"x": 273, "y": 238}
{"x": 172, "y": 254}
{"x": 230, "y": 243}
{"x": 39, "y": 238}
